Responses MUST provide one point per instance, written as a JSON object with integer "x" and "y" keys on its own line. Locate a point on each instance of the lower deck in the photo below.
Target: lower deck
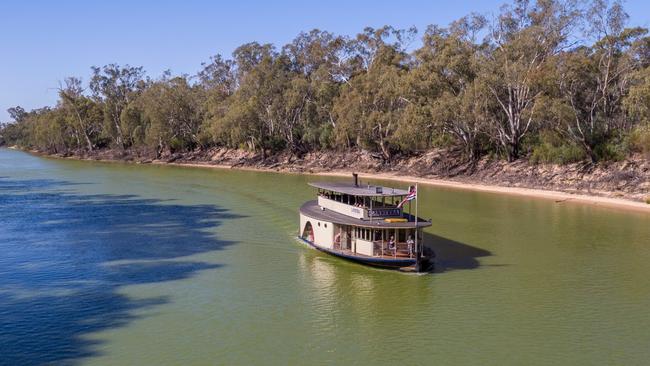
{"x": 382, "y": 245}
{"x": 380, "y": 250}
{"x": 402, "y": 262}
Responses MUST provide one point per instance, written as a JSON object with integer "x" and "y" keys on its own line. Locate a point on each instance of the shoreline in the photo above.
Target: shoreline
{"x": 555, "y": 195}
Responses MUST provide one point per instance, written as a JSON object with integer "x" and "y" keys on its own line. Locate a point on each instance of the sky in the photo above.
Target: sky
{"x": 42, "y": 42}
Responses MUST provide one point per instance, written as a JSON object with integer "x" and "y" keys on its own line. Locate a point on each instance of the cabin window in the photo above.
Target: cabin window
{"x": 366, "y": 234}
{"x": 325, "y": 225}
{"x": 319, "y": 224}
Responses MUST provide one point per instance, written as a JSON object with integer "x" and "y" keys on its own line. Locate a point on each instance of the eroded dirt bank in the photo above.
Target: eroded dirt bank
{"x": 628, "y": 179}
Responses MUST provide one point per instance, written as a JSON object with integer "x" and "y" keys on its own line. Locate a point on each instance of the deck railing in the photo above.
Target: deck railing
{"x": 401, "y": 249}
{"x": 358, "y": 212}
{"x": 342, "y": 208}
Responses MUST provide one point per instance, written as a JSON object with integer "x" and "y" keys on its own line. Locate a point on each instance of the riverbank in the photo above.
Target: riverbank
{"x": 557, "y": 196}
{"x": 624, "y": 184}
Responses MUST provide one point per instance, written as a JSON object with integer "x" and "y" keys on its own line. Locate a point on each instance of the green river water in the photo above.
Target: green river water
{"x": 118, "y": 264}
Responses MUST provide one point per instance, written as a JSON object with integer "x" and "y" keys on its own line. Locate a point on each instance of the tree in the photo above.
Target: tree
{"x": 444, "y": 85}
{"x": 17, "y": 113}
{"x": 171, "y": 114}
{"x": 371, "y": 103}
{"x": 637, "y": 101}
{"x": 523, "y": 82}
{"x": 249, "y": 55}
{"x": 522, "y": 39}
{"x": 115, "y": 87}
{"x": 83, "y": 115}
{"x": 594, "y": 80}
{"x": 219, "y": 75}
{"x": 316, "y": 73}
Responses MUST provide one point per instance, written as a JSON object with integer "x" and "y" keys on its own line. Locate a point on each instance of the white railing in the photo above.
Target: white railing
{"x": 358, "y": 212}
{"x": 342, "y": 208}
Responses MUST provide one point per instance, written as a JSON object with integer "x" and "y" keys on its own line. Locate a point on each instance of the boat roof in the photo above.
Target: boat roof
{"x": 313, "y": 210}
{"x": 360, "y": 190}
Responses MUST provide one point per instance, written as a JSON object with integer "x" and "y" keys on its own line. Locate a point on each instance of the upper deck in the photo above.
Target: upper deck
{"x": 360, "y": 190}
{"x": 314, "y": 210}
{"x": 361, "y": 201}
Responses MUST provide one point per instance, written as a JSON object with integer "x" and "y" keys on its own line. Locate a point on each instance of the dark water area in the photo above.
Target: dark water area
{"x": 113, "y": 264}
{"x": 54, "y": 251}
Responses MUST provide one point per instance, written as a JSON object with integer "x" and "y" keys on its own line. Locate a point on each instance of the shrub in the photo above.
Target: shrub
{"x": 612, "y": 151}
{"x": 177, "y": 144}
{"x": 552, "y": 149}
{"x": 640, "y": 140}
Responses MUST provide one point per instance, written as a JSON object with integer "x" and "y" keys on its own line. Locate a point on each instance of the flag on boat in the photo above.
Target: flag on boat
{"x": 413, "y": 194}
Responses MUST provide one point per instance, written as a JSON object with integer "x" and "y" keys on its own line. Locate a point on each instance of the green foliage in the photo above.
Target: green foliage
{"x": 523, "y": 89}
{"x": 637, "y": 101}
{"x": 640, "y": 140}
{"x": 553, "y": 149}
{"x": 171, "y": 114}
{"x": 612, "y": 150}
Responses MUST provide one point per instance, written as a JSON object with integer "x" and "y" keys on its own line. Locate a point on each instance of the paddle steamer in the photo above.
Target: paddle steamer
{"x": 366, "y": 224}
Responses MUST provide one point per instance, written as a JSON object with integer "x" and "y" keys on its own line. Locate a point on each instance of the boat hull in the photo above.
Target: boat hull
{"x": 398, "y": 263}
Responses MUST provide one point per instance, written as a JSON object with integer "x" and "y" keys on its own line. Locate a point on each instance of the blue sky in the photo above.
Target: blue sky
{"x": 42, "y": 42}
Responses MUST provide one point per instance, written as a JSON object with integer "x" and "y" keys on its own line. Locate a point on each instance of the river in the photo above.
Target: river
{"x": 119, "y": 264}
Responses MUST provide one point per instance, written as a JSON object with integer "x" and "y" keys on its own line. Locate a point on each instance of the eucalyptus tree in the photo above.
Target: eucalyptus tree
{"x": 172, "y": 115}
{"x": 46, "y": 130}
{"x": 637, "y": 107}
{"x": 595, "y": 80}
{"x": 522, "y": 38}
{"x": 316, "y": 61}
{"x": 637, "y": 100}
{"x": 242, "y": 112}
{"x": 115, "y": 87}
{"x": 218, "y": 82}
{"x": 219, "y": 75}
{"x": 445, "y": 93}
{"x": 17, "y": 113}
{"x": 15, "y": 133}
{"x": 84, "y": 116}
{"x": 370, "y": 104}
{"x": 247, "y": 56}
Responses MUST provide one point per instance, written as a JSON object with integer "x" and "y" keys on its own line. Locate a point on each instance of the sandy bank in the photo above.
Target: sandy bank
{"x": 513, "y": 179}
{"x": 558, "y": 197}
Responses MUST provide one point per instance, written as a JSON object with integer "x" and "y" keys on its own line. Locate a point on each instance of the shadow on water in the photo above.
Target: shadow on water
{"x": 453, "y": 255}
{"x": 63, "y": 257}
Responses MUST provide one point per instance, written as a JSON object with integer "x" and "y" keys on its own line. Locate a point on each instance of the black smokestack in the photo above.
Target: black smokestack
{"x": 356, "y": 179}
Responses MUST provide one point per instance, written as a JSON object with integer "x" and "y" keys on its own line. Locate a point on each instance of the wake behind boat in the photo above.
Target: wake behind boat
{"x": 366, "y": 224}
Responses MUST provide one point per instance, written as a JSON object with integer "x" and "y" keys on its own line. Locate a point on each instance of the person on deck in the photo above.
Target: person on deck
{"x": 391, "y": 244}
{"x": 410, "y": 243}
